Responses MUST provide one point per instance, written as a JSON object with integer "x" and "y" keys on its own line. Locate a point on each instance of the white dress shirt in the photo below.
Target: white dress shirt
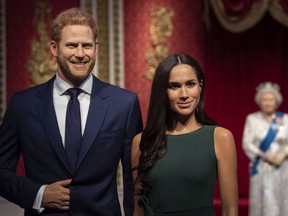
{"x": 60, "y": 101}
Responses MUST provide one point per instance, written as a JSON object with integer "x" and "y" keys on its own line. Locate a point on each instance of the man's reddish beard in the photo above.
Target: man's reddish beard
{"x": 76, "y": 80}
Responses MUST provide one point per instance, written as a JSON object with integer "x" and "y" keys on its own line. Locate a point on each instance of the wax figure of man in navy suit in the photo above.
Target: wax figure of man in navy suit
{"x": 35, "y": 124}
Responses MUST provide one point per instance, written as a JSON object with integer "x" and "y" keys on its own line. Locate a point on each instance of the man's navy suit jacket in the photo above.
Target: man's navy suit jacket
{"x": 30, "y": 127}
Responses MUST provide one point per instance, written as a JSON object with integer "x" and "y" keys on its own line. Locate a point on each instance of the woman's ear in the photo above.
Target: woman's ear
{"x": 201, "y": 84}
{"x": 54, "y": 48}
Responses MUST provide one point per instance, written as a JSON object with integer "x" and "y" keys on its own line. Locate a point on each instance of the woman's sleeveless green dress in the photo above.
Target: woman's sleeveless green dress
{"x": 183, "y": 180}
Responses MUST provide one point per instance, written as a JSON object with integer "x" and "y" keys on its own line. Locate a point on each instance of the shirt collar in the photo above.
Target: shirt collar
{"x": 61, "y": 86}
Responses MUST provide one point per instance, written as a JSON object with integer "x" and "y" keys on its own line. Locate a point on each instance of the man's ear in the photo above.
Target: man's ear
{"x": 54, "y": 48}
{"x": 96, "y": 47}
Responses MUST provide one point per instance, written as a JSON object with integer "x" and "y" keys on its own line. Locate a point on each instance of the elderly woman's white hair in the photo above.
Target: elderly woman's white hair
{"x": 268, "y": 87}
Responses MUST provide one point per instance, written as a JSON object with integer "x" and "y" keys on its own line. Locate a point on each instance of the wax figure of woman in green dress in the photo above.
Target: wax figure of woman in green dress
{"x": 182, "y": 152}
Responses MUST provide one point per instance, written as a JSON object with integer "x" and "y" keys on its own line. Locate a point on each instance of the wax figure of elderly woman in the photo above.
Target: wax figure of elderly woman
{"x": 265, "y": 142}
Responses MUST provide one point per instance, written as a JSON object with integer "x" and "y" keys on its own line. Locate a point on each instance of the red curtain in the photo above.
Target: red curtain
{"x": 235, "y": 64}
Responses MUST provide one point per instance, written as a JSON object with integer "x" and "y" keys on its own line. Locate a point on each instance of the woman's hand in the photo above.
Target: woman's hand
{"x": 277, "y": 159}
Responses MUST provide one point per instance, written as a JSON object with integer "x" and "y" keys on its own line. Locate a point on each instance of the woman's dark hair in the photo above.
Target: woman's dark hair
{"x": 153, "y": 140}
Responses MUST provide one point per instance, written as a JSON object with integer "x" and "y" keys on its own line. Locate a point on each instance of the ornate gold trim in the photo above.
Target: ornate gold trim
{"x": 108, "y": 14}
{"x": 116, "y": 33}
{"x": 161, "y": 28}
{"x": 103, "y": 54}
{"x": 41, "y": 65}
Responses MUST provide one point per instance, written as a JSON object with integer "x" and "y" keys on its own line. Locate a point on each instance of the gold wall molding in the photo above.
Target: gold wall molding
{"x": 117, "y": 39}
{"x": 41, "y": 65}
{"x": 103, "y": 53}
{"x": 161, "y": 28}
{"x": 110, "y": 61}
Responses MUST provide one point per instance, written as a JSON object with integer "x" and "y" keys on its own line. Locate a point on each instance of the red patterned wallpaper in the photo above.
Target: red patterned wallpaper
{"x": 187, "y": 36}
{"x": 19, "y": 31}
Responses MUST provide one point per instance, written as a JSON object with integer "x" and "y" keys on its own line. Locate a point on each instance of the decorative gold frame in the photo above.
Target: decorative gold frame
{"x": 107, "y": 13}
{"x": 161, "y": 28}
{"x": 41, "y": 65}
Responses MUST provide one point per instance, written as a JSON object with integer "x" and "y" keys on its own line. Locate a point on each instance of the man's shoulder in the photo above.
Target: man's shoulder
{"x": 113, "y": 90}
{"x": 33, "y": 90}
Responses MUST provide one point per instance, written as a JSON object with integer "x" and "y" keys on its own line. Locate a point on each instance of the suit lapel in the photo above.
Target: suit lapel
{"x": 96, "y": 115}
{"x": 45, "y": 108}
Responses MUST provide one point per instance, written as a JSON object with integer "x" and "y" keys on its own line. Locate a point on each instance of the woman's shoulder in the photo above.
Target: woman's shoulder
{"x": 222, "y": 133}
{"x": 285, "y": 115}
{"x": 136, "y": 140}
{"x": 135, "y": 150}
{"x": 137, "y": 137}
{"x": 223, "y": 141}
{"x": 223, "y": 137}
{"x": 256, "y": 114}
{"x": 285, "y": 118}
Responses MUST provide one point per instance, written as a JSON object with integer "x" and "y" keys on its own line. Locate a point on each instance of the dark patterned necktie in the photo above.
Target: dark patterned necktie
{"x": 73, "y": 134}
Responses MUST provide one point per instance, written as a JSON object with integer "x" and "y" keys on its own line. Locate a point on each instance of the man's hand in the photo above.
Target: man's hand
{"x": 57, "y": 195}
